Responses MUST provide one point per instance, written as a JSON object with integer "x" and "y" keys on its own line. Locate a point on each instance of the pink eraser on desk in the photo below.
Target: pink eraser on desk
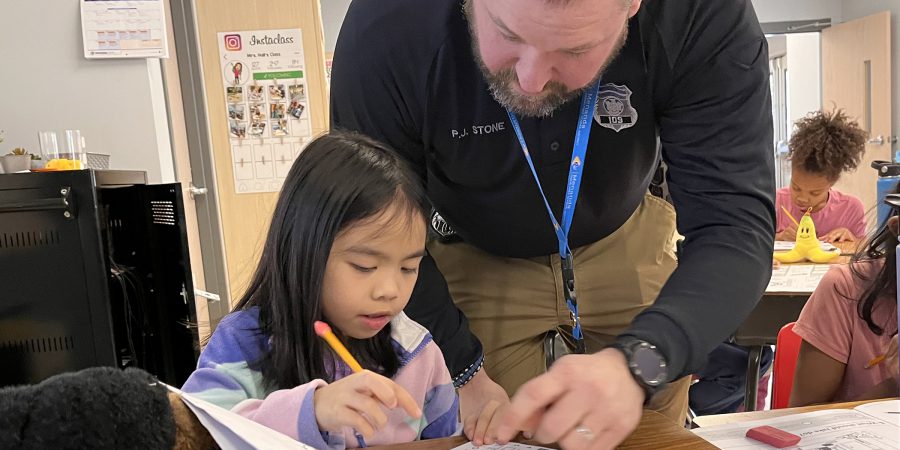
{"x": 773, "y": 436}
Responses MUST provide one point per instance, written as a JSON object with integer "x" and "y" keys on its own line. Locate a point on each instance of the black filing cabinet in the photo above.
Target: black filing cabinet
{"x": 94, "y": 270}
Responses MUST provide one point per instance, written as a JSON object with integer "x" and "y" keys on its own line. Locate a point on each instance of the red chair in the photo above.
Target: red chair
{"x": 787, "y": 348}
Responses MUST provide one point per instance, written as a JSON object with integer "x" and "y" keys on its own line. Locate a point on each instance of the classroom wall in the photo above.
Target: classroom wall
{"x": 854, "y": 9}
{"x": 790, "y": 10}
{"x": 777, "y": 45}
{"x": 333, "y": 12}
{"x": 804, "y": 74}
{"x": 47, "y": 84}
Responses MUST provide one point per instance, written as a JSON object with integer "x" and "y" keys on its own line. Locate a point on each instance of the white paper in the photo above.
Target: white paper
{"x": 800, "y": 278}
{"x": 833, "y": 429}
{"x": 888, "y": 411}
{"x": 235, "y": 432}
{"x": 787, "y": 245}
{"x": 510, "y": 446}
{"x": 124, "y": 29}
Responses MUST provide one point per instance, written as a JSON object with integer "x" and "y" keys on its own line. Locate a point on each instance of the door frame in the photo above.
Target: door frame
{"x": 199, "y": 148}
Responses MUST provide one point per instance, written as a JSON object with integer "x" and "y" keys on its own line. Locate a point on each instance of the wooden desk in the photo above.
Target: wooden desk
{"x": 761, "y": 326}
{"x": 654, "y": 432}
{"x": 722, "y": 419}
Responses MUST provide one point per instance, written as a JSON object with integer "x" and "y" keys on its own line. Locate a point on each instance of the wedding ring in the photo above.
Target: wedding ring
{"x": 585, "y": 432}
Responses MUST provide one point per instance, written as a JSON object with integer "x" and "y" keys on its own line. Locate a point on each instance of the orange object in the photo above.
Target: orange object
{"x": 324, "y": 331}
{"x": 63, "y": 164}
{"x": 875, "y": 361}
{"x": 790, "y": 216}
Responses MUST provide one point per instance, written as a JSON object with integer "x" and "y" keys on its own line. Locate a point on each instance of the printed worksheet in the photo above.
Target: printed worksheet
{"x": 869, "y": 427}
{"x": 510, "y": 446}
{"x": 800, "y": 278}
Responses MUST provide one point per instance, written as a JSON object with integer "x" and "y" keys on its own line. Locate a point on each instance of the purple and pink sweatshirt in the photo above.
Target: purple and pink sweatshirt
{"x": 224, "y": 377}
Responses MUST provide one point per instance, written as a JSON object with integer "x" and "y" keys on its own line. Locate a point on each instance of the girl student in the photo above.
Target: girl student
{"x": 824, "y": 146}
{"x": 343, "y": 247}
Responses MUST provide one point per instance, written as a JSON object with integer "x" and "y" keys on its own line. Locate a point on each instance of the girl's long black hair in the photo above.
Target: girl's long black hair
{"x": 881, "y": 245}
{"x": 338, "y": 180}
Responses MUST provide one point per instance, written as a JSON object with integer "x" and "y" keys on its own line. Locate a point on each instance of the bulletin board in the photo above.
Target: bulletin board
{"x": 265, "y": 89}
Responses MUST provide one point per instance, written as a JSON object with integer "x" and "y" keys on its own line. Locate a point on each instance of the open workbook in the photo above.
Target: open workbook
{"x": 235, "y": 432}
{"x": 873, "y": 426}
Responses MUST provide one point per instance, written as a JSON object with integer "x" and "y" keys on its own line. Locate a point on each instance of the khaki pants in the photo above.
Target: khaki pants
{"x": 512, "y": 303}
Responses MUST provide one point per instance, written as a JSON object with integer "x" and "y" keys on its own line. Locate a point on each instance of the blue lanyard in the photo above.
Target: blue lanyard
{"x": 582, "y": 133}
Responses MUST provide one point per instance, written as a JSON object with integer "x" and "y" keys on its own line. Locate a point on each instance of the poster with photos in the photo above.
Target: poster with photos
{"x": 265, "y": 89}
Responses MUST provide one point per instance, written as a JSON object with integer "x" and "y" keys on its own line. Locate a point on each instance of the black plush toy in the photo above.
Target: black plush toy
{"x": 98, "y": 408}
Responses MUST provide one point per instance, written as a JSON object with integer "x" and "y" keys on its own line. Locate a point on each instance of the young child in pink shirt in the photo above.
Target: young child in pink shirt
{"x": 849, "y": 321}
{"x": 824, "y": 146}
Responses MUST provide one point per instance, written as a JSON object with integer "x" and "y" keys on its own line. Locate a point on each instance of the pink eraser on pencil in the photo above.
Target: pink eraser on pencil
{"x": 321, "y": 328}
{"x": 773, "y": 436}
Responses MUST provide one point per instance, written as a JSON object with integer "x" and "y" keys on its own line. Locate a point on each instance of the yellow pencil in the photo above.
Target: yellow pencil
{"x": 790, "y": 216}
{"x": 324, "y": 331}
{"x": 875, "y": 361}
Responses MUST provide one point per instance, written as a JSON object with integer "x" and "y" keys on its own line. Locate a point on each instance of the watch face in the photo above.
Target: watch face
{"x": 651, "y": 364}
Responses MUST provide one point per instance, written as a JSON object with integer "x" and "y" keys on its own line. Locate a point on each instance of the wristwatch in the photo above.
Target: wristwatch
{"x": 646, "y": 362}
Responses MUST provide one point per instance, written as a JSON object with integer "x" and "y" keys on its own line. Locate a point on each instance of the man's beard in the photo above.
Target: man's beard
{"x": 555, "y": 94}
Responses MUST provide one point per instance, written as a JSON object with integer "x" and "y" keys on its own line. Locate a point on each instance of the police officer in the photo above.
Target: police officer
{"x": 537, "y": 126}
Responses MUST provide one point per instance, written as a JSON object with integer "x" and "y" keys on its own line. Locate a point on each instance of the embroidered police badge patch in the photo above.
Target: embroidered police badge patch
{"x": 614, "y": 110}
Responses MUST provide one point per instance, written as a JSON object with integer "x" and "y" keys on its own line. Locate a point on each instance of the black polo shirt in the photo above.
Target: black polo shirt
{"x": 690, "y": 86}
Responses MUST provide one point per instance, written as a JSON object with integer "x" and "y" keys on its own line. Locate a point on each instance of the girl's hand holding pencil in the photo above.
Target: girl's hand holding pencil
{"x": 789, "y": 233}
{"x": 358, "y": 401}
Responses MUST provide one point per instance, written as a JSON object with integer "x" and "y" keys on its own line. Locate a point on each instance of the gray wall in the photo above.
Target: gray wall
{"x": 333, "y": 12}
{"x": 854, "y": 9}
{"x": 790, "y": 10}
{"x": 47, "y": 84}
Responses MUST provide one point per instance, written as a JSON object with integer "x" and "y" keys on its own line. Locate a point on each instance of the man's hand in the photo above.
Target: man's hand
{"x": 583, "y": 402}
{"x": 480, "y": 401}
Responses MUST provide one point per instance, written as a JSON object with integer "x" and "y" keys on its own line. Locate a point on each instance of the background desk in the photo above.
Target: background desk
{"x": 722, "y": 419}
{"x": 654, "y": 432}
{"x": 760, "y": 328}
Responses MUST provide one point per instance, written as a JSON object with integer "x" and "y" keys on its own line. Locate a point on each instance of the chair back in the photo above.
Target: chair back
{"x": 787, "y": 348}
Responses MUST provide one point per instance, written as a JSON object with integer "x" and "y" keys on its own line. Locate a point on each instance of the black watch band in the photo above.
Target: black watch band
{"x": 646, "y": 363}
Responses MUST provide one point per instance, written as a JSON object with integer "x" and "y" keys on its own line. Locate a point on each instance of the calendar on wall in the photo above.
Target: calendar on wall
{"x": 124, "y": 29}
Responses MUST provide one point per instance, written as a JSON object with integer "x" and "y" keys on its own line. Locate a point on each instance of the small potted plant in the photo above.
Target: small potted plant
{"x": 36, "y": 162}
{"x": 17, "y": 160}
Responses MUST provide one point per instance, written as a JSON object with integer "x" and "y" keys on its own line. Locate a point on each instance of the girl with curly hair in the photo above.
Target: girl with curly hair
{"x": 824, "y": 146}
